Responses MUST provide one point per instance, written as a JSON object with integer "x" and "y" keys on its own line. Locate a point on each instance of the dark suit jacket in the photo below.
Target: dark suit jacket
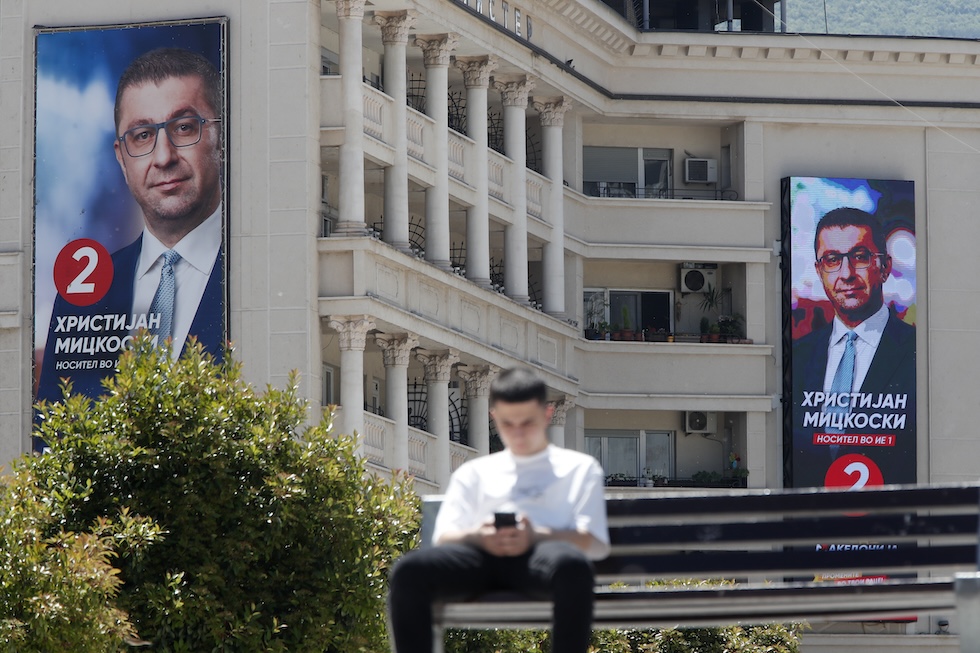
{"x": 208, "y": 326}
{"x": 892, "y": 371}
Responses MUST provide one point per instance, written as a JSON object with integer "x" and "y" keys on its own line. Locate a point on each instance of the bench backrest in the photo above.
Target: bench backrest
{"x": 786, "y": 533}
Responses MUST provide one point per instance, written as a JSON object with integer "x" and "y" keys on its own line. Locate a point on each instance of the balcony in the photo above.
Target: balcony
{"x": 377, "y": 444}
{"x": 675, "y": 376}
{"x": 678, "y": 222}
{"x": 363, "y": 275}
{"x": 379, "y": 129}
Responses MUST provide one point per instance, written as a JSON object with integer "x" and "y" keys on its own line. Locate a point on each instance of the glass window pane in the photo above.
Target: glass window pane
{"x": 624, "y": 310}
{"x": 593, "y": 446}
{"x": 624, "y": 457}
{"x": 659, "y": 453}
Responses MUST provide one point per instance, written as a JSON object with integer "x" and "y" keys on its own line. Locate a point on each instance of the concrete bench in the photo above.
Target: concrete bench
{"x": 886, "y": 553}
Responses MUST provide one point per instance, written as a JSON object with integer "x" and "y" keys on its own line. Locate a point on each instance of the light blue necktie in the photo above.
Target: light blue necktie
{"x": 843, "y": 380}
{"x": 163, "y": 300}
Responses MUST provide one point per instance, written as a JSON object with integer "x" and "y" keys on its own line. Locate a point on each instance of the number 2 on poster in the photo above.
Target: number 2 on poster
{"x": 83, "y": 272}
{"x": 853, "y": 472}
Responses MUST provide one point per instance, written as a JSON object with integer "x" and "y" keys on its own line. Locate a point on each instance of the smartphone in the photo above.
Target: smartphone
{"x": 504, "y": 520}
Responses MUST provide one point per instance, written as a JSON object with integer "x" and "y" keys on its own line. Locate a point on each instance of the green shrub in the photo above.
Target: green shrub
{"x": 773, "y": 638}
{"x": 275, "y": 539}
{"x": 57, "y": 588}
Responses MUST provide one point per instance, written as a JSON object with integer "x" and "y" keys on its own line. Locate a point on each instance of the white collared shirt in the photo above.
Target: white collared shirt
{"x": 556, "y": 488}
{"x": 198, "y": 251}
{"x": 868, "y": 336}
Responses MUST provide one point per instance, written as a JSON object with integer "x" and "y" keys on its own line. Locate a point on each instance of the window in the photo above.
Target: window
{"x": 329, "y": 62}
{"x": 627, "y": 171}
{"x": 630, "y": 455}
{"x": 658, "y": 174}
{"x": 328, "y": 396}
{"x": 610, "y": 171}
{"x": 642, "y": 309}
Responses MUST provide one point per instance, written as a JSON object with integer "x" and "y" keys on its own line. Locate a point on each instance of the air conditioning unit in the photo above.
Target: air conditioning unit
{"x": 700, "y": 421}
{"x": 700, "y": 171}
{"x": 696, "y": 277}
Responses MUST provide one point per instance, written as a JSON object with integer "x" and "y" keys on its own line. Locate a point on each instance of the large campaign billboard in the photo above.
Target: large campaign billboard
{"x": 130, "y": 200}
{"x": 849, "y": 270}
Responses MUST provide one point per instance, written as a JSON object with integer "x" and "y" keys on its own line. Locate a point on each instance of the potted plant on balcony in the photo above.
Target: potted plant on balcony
{"x": 627, "y": 332}
{"x": 730, "y": 327}
{"x": 714, "y": 333}
{"x": 595, "y": 316}
{"x": 655, "y": 335}
{"x": 705, "y": 328}
{"x": 620, "y": 480}
{"x": 614, "y": 332}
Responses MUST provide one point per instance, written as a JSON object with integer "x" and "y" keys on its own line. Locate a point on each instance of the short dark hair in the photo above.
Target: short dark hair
{"x": 517, "y": 385}
{"x": 851, "y": 217}
{"x": 163, "y": 63}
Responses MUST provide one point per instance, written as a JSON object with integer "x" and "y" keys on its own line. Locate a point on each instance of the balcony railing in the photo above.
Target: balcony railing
{"x": 535, "y": 188}
{"x": 627, "y": 191}
{"x": 377, "y": 448}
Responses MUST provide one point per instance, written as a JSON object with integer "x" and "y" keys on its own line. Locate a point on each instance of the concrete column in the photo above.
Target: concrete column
{"x": 556, "y": 431}
{"x": 514, "y": 92}
{"x": 574, "y": 289}
{"x": 353, "y": 330}
{"x": 350, "y": 14}
{"x": 755, "y": 449}
{"x": 394, "y": 34}
{"x": 753, "y": 162}
{"x": 476, "y": 77}
{"x": 478, "y": 379}
{"x": 755, "y": 302}
{"x": 397, "y": 349}
{"x": 552, "y": 111}
{"x": 436, "y": 50}
{"x": 438, "y": 367}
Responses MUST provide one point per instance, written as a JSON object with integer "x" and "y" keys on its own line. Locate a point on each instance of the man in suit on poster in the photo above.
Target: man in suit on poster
{"x": 864, "y": 359}
{"x": 170, "y": 279}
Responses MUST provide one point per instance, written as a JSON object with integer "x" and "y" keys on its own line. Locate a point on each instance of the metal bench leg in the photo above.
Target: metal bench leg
{"x": 968, "y": 611}
{"x": 438, "y": 639}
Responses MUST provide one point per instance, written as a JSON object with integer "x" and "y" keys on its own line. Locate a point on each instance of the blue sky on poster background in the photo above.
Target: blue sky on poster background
{"x": 811, "y": 198}
{"x": 80, "y": 191}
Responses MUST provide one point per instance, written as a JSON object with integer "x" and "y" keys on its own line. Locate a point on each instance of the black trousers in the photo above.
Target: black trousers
{"x": 557, "y": 571}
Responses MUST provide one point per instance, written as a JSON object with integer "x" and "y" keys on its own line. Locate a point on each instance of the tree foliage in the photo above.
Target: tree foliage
{"x": 57, "y": 587}
{"x": 951, "y": 18}
{"x": 771, "y": 638}
{"x": 274, "y": 537}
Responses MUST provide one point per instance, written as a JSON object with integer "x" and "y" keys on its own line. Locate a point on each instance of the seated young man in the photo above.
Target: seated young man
{"x": 555, "y": 498}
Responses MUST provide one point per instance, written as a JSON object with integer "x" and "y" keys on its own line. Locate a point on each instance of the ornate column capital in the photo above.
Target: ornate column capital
{"x": 394, "y": 25}
{"x": 478, "y": 379}
{"x": 514, "y": 91}
{"x": 397, "y": 347}
{"x": 436, "y": 48}
{"x": 438, "y": 364}
{"x": 552, "y": 110}
{"x": 561, "y": 410}
{"x": 476, "y": 70}
{"x": 353, "y": 330}
{"x": 350, "y": 8}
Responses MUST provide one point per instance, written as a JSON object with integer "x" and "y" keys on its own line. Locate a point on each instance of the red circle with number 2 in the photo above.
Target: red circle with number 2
{"x": 853, "y": 472}
{"x": 83, "y": 272}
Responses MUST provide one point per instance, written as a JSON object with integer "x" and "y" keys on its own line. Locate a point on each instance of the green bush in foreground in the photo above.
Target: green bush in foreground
{"x": 769, "y": 638}
{"x": 774, "y": 638}
{"x": 57, "y": 588}
{"x": 274, "y": 537}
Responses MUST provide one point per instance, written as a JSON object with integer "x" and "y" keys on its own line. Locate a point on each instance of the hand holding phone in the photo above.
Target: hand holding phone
{"x": 504, "y": 520}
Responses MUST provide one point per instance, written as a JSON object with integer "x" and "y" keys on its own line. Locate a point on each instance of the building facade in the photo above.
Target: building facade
{"x": 423, "y": 192}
